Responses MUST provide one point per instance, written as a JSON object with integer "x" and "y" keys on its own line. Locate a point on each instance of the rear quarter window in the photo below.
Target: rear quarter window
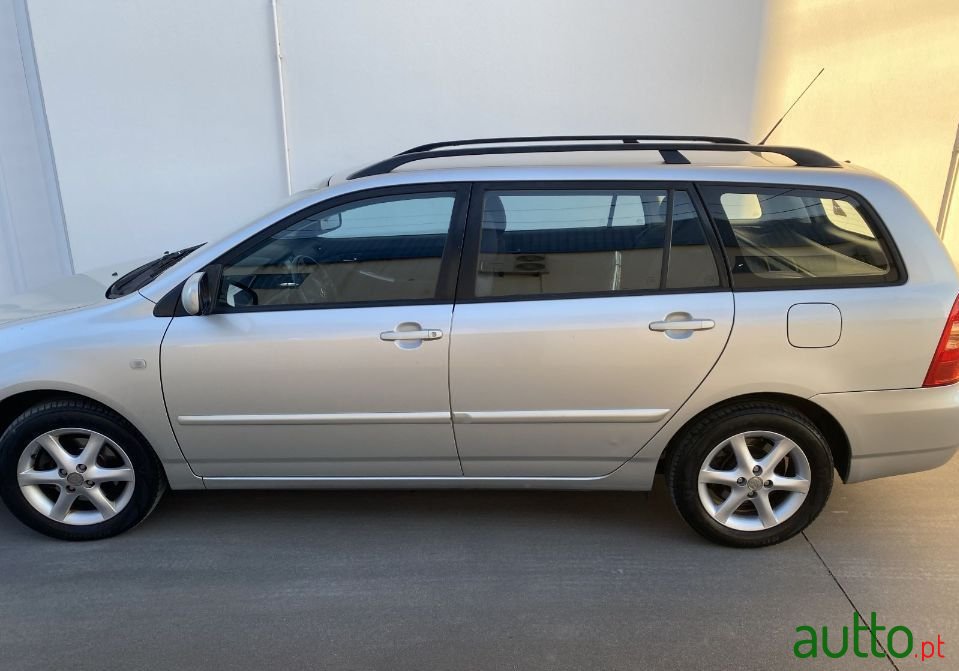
{"x": 784, "y": 237}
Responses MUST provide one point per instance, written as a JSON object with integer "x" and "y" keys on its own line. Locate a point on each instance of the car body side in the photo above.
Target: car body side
{"x": 866, "y": 390}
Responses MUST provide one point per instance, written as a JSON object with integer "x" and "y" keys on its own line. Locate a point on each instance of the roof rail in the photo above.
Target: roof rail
{"x": 670, "y": 151}
{"x": 574, "y": 138}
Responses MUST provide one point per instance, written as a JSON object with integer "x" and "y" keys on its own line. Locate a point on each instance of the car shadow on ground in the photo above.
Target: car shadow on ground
{"x": 274, "y": 513}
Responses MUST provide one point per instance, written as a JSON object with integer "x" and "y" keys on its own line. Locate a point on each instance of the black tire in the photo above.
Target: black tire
{"x": 148, "y": 486}
{"x": 708, "y": 431}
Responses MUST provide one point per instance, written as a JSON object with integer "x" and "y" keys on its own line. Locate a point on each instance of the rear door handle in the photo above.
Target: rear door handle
{"x": 683, "y": 325}
{"x": 423, "y": 334}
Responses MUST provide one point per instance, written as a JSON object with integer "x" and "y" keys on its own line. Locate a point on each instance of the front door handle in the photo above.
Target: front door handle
{"x": 683, "y": 325}
{"x": 422, "y": 334}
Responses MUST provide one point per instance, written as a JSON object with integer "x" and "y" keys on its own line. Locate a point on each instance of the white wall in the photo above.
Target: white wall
{"x": 365, "y": 79}
{"x": 33, "y": 244}
{"x": 165, "y": 115}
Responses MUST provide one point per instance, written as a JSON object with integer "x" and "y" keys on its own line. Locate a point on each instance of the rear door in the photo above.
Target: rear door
{"x": 586, "y": 315}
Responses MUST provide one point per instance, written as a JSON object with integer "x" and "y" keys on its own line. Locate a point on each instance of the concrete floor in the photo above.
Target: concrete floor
{"x": 476, "y": 580}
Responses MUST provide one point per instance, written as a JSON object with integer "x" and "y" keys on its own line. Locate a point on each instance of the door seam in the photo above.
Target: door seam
{"x": 670, "y": 418}
{"x": 166, "y": 408}
{"x": 449, "y": 347}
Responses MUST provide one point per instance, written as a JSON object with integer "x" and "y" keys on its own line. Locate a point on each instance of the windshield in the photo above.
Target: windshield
{"x": 138, "y": 278}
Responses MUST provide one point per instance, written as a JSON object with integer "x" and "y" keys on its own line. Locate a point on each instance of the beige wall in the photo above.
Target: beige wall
{"x": 889, "y": 98}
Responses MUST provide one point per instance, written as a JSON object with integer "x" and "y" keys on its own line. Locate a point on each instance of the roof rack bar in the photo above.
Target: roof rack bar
{"x": 670, "y": 151}
{"x": 630, "y": 139}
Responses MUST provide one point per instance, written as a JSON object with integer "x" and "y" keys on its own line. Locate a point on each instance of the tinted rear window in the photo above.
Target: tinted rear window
{"x": 560, "y": 242}
{"x": 780, "y": 237}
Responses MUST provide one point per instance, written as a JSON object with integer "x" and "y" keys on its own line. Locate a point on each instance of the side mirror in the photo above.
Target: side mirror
{"x": 198, "y": 295}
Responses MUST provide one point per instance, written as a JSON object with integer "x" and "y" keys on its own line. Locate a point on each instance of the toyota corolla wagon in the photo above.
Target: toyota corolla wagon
{"x": 536, "y": 312}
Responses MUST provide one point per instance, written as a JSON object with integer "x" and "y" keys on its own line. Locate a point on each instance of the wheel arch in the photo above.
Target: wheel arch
{"x": 835, "y": 435}
{"x": 13, "y": 406}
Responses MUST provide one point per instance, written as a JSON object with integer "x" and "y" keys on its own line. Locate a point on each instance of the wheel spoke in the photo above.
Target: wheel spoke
{"x": 100, "y": 502}
{"x": 99, "y": 474}
{"x": 765, "y": 510}
{"x": 32, "y": 477}
{"x": 783, "y": 447}
{"x": 729, "y": 506}
{"x": 91, "y": 450}
{"x": 711, "y": 476}
{"x": 744, "y": 459}
{"x": 52, "y": 445}
{"x": 63, "y": 505}
{"x": 785, "y": 484}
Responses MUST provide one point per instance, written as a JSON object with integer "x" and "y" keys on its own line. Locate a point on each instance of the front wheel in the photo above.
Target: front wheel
{"x": 75, "y": 470}
{"x": 750, "y": 474}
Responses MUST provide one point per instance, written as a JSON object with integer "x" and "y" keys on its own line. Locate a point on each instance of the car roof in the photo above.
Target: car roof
{"x": 611, "y": 171}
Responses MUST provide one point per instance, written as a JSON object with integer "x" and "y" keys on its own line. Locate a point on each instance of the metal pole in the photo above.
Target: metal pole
{"x": 282, "y": 83}
{"x": 950, "y": 189}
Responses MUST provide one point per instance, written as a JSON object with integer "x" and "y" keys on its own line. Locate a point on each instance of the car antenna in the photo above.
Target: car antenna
{"x": 773, "y": 129}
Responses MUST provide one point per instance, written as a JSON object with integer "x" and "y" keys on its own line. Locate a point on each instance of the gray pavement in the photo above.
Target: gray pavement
{"x": 476, "y": 580}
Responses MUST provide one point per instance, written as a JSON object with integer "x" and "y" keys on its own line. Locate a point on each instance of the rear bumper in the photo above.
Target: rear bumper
{"x": 897, "y": 431}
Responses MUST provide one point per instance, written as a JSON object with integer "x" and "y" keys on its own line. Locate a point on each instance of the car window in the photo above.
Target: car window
{"x": 782, "y": 236}
{"x": 562, "y": 242}
{"x": 844, "y": 215}
{"x": 380, "y": 249}
{"x": 741, "y": 206}
{"x": 692, "y": 263}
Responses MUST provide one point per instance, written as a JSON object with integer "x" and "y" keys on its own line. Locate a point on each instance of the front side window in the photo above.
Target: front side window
{"x": 589, "y": 241}
{"x": 381, "y": 249}
{"x": 780, "y": 237}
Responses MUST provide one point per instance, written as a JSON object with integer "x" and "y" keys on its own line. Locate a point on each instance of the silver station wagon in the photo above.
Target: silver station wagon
{"x": 537, "y": 312}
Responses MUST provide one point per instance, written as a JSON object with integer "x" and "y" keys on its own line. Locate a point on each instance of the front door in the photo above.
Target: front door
{"x": 587, "y": 315}
{"x": 327, "y": 354}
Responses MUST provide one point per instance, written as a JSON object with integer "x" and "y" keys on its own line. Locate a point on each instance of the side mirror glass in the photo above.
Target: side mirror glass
{"x": 198, "y": 295}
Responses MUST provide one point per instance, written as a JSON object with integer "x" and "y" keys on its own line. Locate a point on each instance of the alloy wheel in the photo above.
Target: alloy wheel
{"x": 754, "y": 480}
{"x": 75, "y": 476}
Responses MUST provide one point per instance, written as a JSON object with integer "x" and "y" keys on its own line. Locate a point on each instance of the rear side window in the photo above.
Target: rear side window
{"x": 691, "y": 260}
{"x": 566, "y": 242}
{"x": 782, "y": 237}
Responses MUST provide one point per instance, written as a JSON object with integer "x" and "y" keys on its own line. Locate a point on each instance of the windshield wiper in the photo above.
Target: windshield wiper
{"x": 138, "y": 278}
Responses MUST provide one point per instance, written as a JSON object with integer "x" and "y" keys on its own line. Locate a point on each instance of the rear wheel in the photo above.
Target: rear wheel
{"x": 75, "y": 470}
{"x": 750, "y": 474}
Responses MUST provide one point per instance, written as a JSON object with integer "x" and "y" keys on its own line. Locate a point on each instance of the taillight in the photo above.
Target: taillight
{"x": 944, "y": 368}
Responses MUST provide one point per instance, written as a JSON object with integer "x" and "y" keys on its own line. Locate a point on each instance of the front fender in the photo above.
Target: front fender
{"x": 109, "y": 353}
